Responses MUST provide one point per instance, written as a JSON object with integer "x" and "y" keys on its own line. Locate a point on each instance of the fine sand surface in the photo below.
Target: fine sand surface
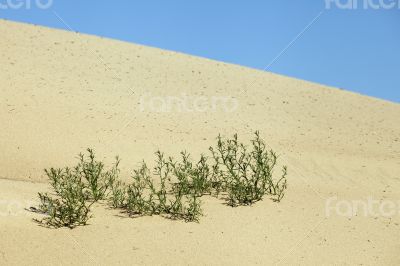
{"x": 61, "y": 92}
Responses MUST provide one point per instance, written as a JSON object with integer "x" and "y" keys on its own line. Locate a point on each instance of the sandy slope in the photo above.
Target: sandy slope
{"x": 62, "y": 92}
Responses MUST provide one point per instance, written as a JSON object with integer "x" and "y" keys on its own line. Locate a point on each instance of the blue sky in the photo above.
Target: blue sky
{"x": 355, "y": 49}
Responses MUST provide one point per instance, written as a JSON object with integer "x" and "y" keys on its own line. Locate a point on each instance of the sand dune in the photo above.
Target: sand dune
{"x": 62, "y": 92}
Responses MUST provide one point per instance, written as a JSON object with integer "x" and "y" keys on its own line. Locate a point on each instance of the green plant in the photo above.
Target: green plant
{"x": 70, "y": 207}
{"x": 196, "y": 179}
{"x": 247, "y": 175}
{"x": 98, "y": 181}
{"x": 75, "y": 190}
{"x": 193, "y": 211}
{"x": 280, "y": 186}
{"x": 172, "y": 189}
{"x": 154, "y": 196}
{"x": 118, "y": 194}
{"x": 139, "y": 194}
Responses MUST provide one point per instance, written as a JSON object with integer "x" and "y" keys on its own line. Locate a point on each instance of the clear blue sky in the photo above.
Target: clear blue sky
{"x": 357, "y": 50}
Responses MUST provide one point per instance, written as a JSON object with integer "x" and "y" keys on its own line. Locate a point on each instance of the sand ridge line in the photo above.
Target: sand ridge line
{"x": 23, "y": 180}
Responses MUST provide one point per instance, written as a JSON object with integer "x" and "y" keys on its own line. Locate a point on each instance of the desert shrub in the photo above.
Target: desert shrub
{"x": 196, "y": 179}
{"x": 173, "y": 188}
{"x": 70, "y": 206}
{"x": 148, "y": 195}
{"x": 279, "y": 187}
{"x": 75, "y": 190}
{"x": 247, "y": 174}
{"x": 193, "y": 212}
{"x": 118, "y": 194}
{"x": 185, "y": 207}
{"x": 97, "y": 179}
{"x": 140, "y": 195}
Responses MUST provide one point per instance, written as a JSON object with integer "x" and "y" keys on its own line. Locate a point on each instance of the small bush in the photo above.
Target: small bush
{"x": 172, "y": 189}
{"x": 70, "y": 207}
{"x": 118, "y": 194}
{"x": 144, "y": 196}
{"x": 75, "y": 191}
{"x": 247, "y": 175}
{"x": 196, "y": 179}
{"x": 97, "y": 180}
{"x": 193, "y": 212}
